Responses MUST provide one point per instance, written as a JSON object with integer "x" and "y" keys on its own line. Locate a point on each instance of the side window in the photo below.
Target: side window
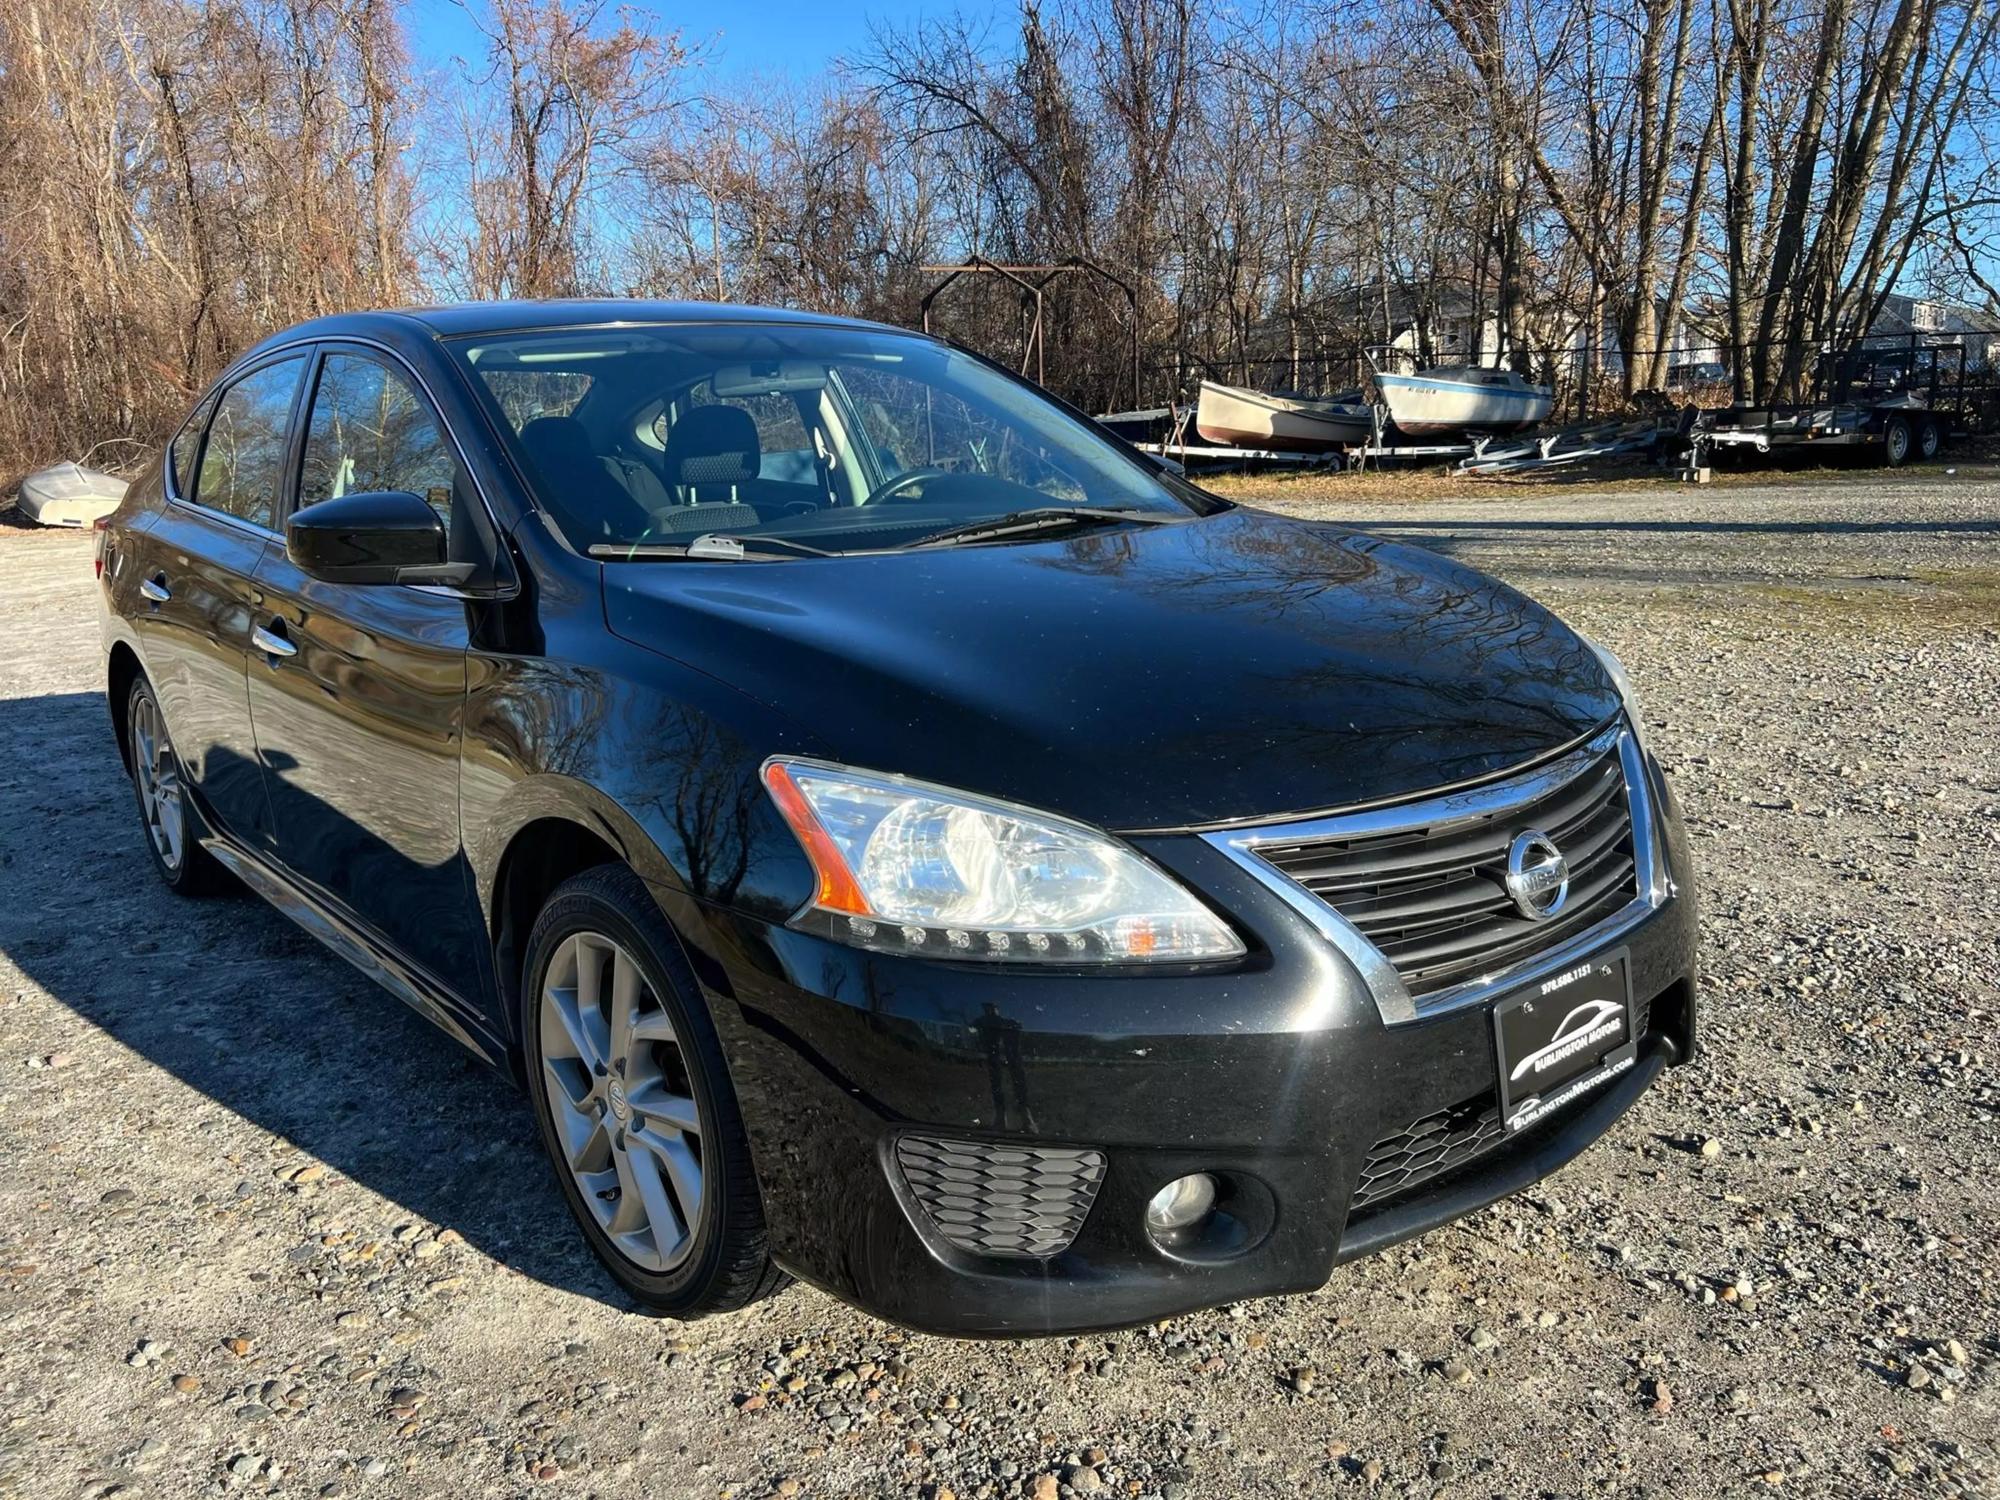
{"x": 370, "y": 430}
{"x": 185, "y": 446}
{"x": 243, "y": 461}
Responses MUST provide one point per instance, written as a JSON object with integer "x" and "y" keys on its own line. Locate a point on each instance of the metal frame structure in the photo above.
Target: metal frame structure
{"x": 1032, "y": 281}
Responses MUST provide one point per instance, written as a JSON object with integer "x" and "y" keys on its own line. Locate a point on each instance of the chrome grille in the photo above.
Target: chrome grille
{"x": 1430, "y": 896}
{"x": 1025, "y": 1201}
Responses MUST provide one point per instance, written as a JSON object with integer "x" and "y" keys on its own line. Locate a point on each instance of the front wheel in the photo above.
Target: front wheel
{"x": 1896, "y": 442}
{"x": 635, "y": 1103}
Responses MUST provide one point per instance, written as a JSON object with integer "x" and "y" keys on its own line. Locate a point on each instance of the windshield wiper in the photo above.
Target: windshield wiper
{"x": 1038, "y": 518}
{"x": 713, "y": 546}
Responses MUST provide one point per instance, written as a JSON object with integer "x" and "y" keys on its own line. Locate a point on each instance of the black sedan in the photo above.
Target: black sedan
{"x": 897, "y": 834}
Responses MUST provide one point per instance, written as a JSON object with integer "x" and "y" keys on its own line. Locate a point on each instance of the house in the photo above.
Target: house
{"x": 1932, "y": 319}
{"x": 1442, "y": 323}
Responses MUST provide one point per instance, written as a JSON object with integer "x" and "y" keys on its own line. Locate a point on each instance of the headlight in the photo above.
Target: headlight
{"x": 905, "y": 867}
{"x": 1620, "y": 679}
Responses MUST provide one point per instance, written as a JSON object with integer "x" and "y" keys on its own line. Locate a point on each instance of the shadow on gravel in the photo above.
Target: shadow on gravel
{"x": 237, "y": 1003}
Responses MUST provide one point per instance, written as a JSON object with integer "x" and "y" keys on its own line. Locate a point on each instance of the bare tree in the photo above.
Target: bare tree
{"x": 1566, "y": 184}
{"x": 565, "y": 113}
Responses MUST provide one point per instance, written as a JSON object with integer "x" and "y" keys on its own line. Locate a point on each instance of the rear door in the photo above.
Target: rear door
{"x": 358, "y": 692}
{"x": 196, "y": 567}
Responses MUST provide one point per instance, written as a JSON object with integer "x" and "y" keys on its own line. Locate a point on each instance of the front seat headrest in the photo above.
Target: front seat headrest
{"x": 560, "y": 448}
{"x": 574, "y": 482}
{"x": 711, "y": 445}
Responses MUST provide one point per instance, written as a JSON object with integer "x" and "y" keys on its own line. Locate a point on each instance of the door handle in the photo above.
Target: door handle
{"x": 272, "y": 644}
{"x": 155, "y": 588}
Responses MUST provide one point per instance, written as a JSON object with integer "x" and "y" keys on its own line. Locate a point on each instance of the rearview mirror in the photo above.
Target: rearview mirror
{"x": 378, "y": 536}
{"x": 768, "y": 377}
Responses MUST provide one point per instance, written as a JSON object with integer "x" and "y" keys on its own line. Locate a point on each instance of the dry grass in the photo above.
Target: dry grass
{"x": 1417, "y": 486}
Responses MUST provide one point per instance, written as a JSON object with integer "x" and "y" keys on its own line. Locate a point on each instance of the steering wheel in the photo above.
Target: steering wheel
{"x": 894, "y": 489}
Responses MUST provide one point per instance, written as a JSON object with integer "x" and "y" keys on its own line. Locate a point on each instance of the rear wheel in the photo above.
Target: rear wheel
{"x": 1897, "y": 441}
{"x": 161, "y": 790}
{"x": 1929, "y": 439}
{"x": 635, "y": 1103}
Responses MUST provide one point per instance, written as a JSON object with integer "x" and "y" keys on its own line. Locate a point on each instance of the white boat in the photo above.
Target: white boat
{"x": 69, "y": 495}
{"x": 1233, "y": 417}
{"x": 1461, "y": 398}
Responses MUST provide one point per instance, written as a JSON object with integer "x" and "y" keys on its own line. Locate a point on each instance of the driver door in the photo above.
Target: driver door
{"x": 357, "y": 692}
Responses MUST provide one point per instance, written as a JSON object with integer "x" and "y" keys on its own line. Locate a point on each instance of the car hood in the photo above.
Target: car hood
{"x": 1231, "y": 667}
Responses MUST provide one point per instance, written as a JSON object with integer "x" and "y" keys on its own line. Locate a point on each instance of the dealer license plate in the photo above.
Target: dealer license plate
{"x": 1563, "y": 1037}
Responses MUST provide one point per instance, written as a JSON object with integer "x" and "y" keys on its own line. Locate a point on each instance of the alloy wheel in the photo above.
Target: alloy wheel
{"x": 157, "y": 774}
{"x": 621, "y": 1099}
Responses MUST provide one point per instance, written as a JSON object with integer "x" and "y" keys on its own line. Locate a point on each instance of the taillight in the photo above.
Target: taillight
{"x": 102, "y": 526}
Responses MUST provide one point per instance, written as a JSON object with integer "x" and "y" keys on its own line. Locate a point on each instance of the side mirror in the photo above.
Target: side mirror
{"x": 378, "y": 536}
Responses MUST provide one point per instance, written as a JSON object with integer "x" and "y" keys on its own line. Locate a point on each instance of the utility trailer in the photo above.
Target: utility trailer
{"x": 1897, "y": 430}
{"x": 1897, "y": 398}
{"x": 1198, "y": 457}
{"x": 1476, "y": 452}
{"x": 1163, "y": 431}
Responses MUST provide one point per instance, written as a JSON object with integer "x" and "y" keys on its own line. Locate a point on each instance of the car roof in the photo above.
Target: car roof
{"x": 481, "y": 318}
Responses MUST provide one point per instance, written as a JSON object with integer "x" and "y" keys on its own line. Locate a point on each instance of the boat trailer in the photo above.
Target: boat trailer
{"x": 1578, "y": 444}
{"x": 1479, "y": 453}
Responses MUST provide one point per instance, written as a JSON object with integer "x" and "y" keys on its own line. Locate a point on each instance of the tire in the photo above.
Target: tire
{"x": 634, "y": 1101}
{"x": 1929, "y": 439}
{"x": 169, "y": 822}
{"x": 1897, "y": 442}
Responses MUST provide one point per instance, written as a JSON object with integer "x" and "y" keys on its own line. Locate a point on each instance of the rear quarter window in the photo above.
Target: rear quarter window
{"x": 185, "y": 450}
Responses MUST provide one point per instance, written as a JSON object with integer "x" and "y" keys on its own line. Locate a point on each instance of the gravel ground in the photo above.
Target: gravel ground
{"x": 262, "y": 1230}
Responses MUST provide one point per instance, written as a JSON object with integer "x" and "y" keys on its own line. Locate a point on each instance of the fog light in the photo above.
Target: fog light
{"x": 1182, "y": 1202}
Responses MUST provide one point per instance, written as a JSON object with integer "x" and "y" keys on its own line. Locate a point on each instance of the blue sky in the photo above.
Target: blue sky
{"x": 794, "y": 37}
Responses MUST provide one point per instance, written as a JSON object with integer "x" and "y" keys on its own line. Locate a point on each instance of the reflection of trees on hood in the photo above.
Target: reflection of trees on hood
{"x": 1425, "y": 643}
{"x": 1275, "y": 566}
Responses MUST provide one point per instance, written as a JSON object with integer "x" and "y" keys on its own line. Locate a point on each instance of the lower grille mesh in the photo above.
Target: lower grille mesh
{"x": 1444, "y": 1140}
{"x": 1024, "y": 1201}
{"x": 1428, "y": 1148}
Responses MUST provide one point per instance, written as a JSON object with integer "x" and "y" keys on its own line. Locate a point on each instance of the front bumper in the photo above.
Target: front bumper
{"x": 1279, "y": 1073}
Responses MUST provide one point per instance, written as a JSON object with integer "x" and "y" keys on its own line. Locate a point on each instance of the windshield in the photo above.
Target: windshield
{"x": 838, "y": 440}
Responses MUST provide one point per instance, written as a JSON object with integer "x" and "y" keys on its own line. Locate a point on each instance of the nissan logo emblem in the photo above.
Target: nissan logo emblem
{"x": 1537, "y": 875}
